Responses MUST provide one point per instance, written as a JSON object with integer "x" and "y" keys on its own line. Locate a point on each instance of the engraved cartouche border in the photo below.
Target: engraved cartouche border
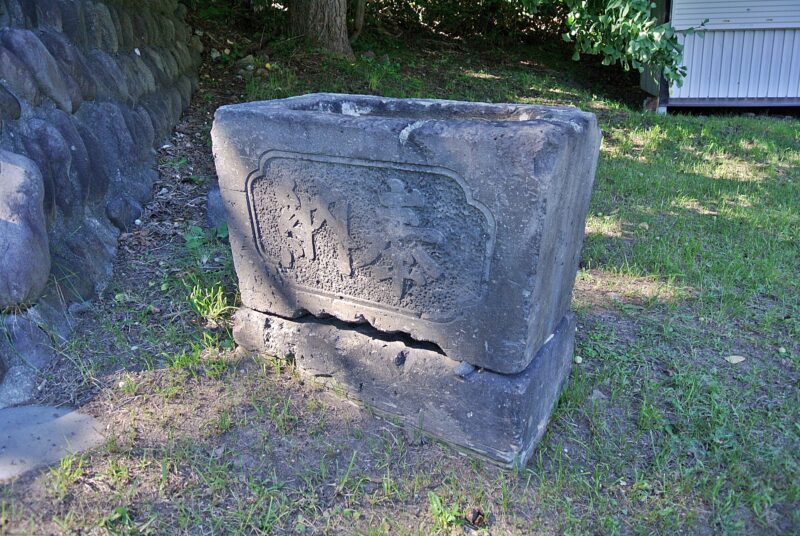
{"x": 266, "y": 156}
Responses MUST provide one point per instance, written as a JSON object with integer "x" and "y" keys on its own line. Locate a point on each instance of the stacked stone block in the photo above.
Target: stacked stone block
{"x": 419, "y": 253}
{"x": 88, "y": 89}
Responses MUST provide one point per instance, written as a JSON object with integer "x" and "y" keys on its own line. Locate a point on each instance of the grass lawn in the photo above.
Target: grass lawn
{"x": 692, "y": 256}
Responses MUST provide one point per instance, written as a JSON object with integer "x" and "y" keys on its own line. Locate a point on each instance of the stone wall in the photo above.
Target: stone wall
{"x": 88, "y": 89}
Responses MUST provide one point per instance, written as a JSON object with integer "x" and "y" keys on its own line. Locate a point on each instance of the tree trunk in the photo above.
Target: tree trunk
{"x": 359, "y": 7}
{"x": 322, "y": 22}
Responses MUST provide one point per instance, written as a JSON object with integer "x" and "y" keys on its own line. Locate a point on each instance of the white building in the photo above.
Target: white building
{"x": 748, "y": 53}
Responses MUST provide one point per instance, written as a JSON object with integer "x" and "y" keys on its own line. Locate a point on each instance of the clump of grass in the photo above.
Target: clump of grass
{"x": 68, "y": 471}
{"x": 209, "y": 302}
{"x": 444, "y": 516}
{"x": 208, "y": 273}
{"x": 280, "y": 82}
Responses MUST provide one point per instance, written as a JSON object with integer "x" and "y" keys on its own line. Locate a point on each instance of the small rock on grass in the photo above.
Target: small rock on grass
{"x": 735, "y": 359}
{"x": 597, "y": 394}
{"x": 475, "y": 518}
{"x": 247, "y": 61}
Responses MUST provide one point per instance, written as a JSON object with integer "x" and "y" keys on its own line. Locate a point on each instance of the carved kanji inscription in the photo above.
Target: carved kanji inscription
{"x": 402, "y": 237}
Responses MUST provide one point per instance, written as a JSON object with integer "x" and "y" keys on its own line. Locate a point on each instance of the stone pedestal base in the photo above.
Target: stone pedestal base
{"x": 499, "y": 416}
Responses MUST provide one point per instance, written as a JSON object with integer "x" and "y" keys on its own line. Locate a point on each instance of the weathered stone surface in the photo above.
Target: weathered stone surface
{"x": 24, "y": 251}
{"x": 456, "y": 223}
{"x": 114, "y": 14}
{"x": 17, "y": 78}
{"x": 73, "y": 77}
{"x": 144, "y": 73}
{"x": 82, "y": 262}
{"x": 123, "y": 212}
{"x": 24, "y": 350}
{"x": 496, "y": 415}
{"x": 13, "y": 15}
{"x": 10, "y": 108}
{"x": 71, "y": 62}
{"x": 156, "y": 64}
{"x": 215, "y": 208}
{"x": 28, "y": 10}
{"x": 48, "y": 14}
{"x": 171, "y": 67}
{"x": 141, "y": 129}
{"x": 126, "y": 37}
{"x": 110, "y": 81}
{"x": 78, "y": 170}
{"x": 73, "y": 20}
{"x": 34, "y": 436}
{"x": 184, "y": 86}
{"x": 115, "y": 145}
{"x": 103, "y": 34}
{"x": 26, "y": 46}
{"x": 100, "y": 177}
{"x": 50, "y": 151}
{"x": 139, "y": 28}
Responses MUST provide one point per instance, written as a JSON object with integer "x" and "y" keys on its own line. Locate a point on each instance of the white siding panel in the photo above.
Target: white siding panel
{"x": 794, "y": 66}
{"x": 744, "y": 64}
{"x": 735, "y": 73}
{"x": 775, "y": 75}
{"x": 736, "y": 14}
{"x": 766, "y": 39}
{"x": 712, "y": 90}
{"x": 725, "y": 62}
{"x": 754, "y": 66}
{"x": 788, "y": 46}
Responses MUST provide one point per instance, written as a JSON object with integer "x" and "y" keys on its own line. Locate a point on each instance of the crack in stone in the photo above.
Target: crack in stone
{"x": 364, "y": 327}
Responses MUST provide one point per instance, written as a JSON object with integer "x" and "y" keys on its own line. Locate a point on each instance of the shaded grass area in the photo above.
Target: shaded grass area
{"x": 691, "y": 256}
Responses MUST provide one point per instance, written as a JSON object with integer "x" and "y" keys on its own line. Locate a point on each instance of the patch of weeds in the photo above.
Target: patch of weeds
{"x": 214, "y": 473}
{"x": 196, "y": 241}
{"x": 575, "y": 391}
{"x": 176, "y": 163}
{"x": 206, "y": 248}
{"x": 197, "y": 179}
{"x": 209, "y": 302}
{"x": 87, "y": 368}
{"x": 264, "y": 508}
{"x": 378, "y": 73}
{"x": 347, "y": 484}
{"x": 443, "y": 516}
{"x": 280, "y": 82}
{"x": 68, "y": 471}
{"x": 117, "y": 473}
{"x": 6, "y": 515}
{"x": 649, "y": 417}
{"x": 215, "y": 368}
{"x": 224, "y": 421}
{"x": 120, "y": 522}
{"x": 209, "y": 265}
{"x": 280, "y": 415}
{"x": 128, "y": 385}
{"x": 189, "y": 361}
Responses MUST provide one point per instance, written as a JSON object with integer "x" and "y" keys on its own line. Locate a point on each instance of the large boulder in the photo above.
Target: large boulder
{"x": 27, "y": 47}
{"x": 24, "y": 251}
